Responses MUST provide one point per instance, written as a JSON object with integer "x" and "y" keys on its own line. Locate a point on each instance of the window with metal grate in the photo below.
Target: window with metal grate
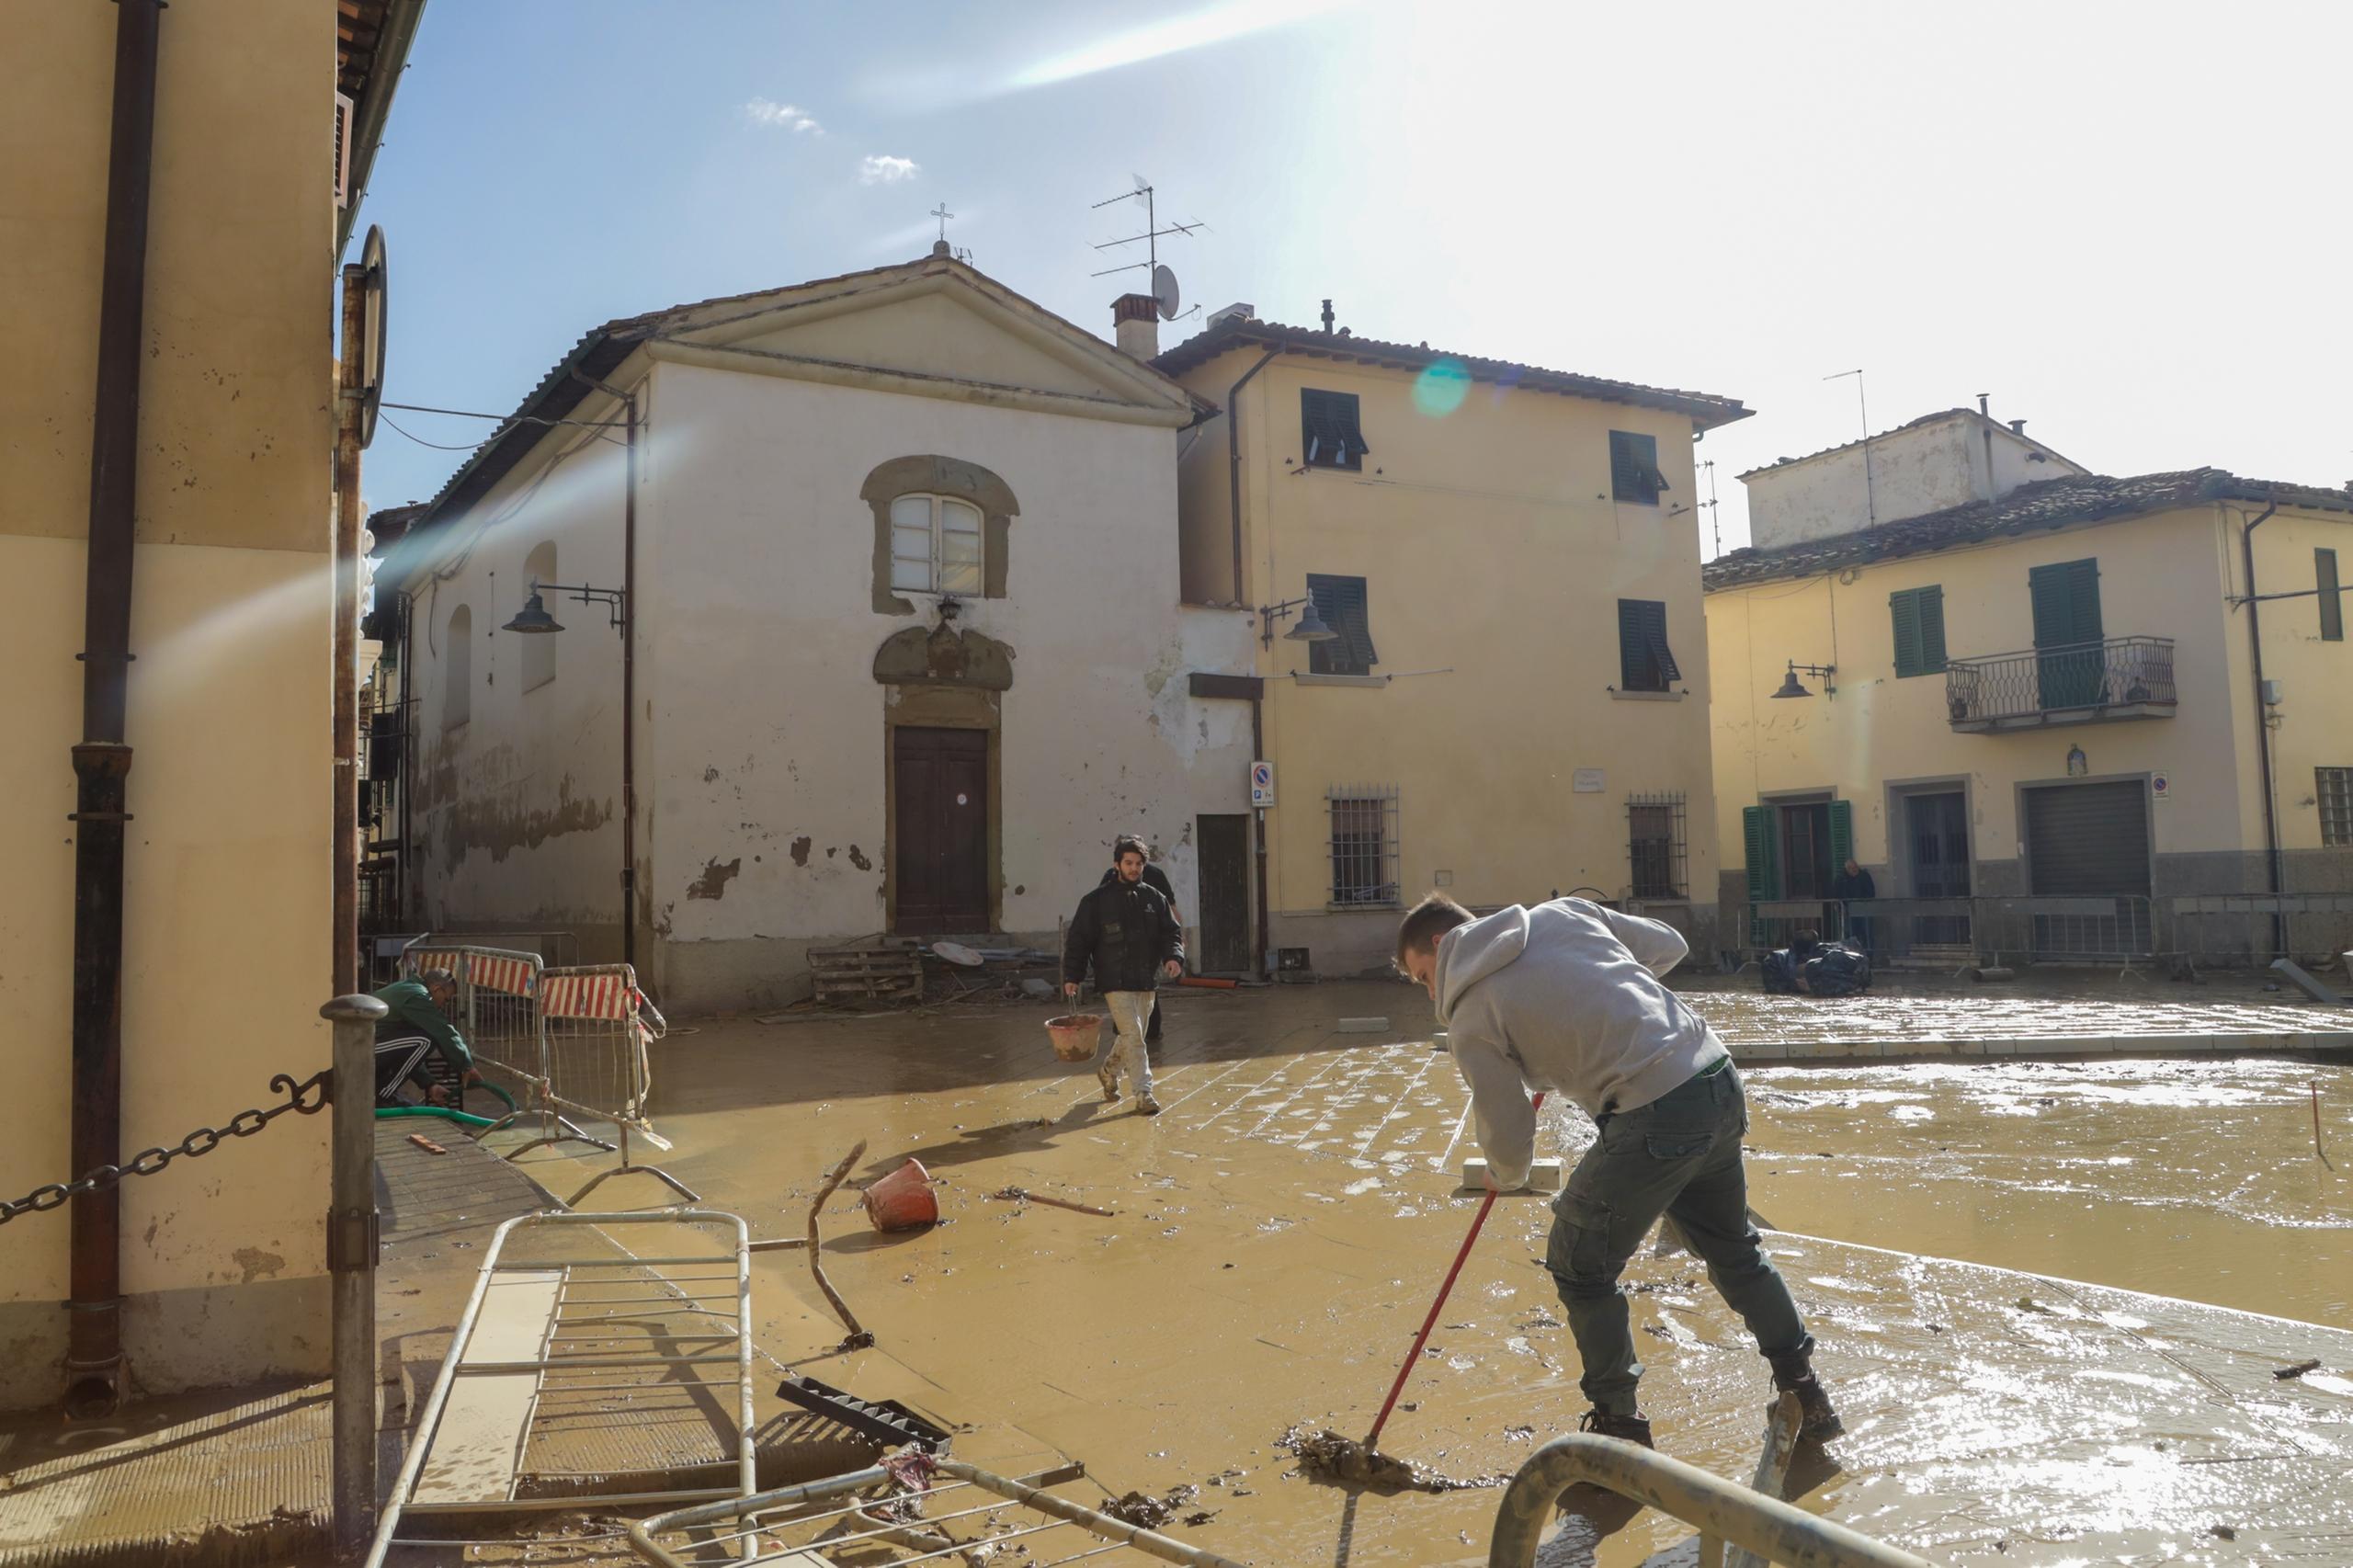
{"x": 2336, "y": 793}
{"x": 1655, "y": 837}
{"x": 1363, "y": 845}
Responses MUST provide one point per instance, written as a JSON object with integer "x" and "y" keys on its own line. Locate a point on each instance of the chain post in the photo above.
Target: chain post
{"x": 351, "y": 1262}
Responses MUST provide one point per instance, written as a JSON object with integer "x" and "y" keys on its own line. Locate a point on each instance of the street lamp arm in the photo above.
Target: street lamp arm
{"x": 615, "y": 600}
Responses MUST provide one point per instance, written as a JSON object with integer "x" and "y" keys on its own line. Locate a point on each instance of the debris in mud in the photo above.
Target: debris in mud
{"x": 1149, "y": 1513}
{"x": 1342, "y": 1461}
{"x": 2298, "y": 1370}
{"x": 1201, "y": 1516}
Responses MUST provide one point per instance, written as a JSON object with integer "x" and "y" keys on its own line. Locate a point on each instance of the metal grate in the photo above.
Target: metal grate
{"x": 1363, "y": 845}
{"x": 2336, "y": 792}
{"x": 1655, "y": 845}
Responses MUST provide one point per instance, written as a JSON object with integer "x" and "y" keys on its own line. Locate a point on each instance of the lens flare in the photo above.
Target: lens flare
{"x": 1439, "y": 389}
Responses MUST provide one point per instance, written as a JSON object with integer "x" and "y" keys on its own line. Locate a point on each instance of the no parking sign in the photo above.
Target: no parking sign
{"x": 1262, "y": 783}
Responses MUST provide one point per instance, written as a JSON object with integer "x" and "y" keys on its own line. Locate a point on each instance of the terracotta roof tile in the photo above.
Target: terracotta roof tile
{"x": 1706, "y": 409}
{"x": 2046, "y": 505}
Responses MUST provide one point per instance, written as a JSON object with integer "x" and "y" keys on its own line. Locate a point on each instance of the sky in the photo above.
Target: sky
{"x": 2125, "y": 223}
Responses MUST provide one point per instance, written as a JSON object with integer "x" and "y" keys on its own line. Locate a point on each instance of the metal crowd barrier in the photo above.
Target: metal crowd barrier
{"x": 2245, "y": 927}
{"x": 499, "y": 1003}
{"x": 1724, "y": 1512}
{"x": 2117, "y": 929}
{"x": 901, "y": 1512}
{"x": 573, "y": 1341}
{"x": 597, "y": 1025}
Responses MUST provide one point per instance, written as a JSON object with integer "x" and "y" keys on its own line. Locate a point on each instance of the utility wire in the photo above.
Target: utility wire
{"x": 436, "y": 446}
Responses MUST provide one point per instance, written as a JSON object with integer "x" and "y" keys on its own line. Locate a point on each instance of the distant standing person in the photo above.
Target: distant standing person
{"x": 1154, "y": 876}
{"x": 1566, "y": 997}
{"x": 1854, "y": 885}
{"x": 1126, "y": 932}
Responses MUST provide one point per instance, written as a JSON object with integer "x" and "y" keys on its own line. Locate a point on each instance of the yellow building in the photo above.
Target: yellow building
{"x": 2041, "y": 694}
{"x": 1516, "y": 700}
{"x": 169, "y": 470}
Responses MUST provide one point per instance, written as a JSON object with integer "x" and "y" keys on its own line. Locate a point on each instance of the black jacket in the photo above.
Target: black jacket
{"x": 1859, "y": 886}
{"x": 1125, "y": 933}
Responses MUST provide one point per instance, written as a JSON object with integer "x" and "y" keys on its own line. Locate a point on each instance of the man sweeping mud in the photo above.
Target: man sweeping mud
{"x": 1566, "y": 997}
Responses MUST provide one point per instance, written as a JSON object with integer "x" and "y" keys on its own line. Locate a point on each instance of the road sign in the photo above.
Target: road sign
{"x": 1262, "y": 783}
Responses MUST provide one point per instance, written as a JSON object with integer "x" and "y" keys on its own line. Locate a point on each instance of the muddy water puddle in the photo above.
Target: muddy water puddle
{"x": 2182, "y": 1177}
{"x": 1277, "y": 1235}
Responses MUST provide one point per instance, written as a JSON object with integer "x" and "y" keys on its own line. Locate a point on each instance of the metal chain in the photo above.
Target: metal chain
{"x": 308, "y": 1097}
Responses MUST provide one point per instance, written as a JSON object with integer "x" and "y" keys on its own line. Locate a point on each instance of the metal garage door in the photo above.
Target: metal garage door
{"x": 2088, "y": 838}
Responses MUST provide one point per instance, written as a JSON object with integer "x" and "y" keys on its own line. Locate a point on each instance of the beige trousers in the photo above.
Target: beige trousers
{"x": 1130, "y": 1014}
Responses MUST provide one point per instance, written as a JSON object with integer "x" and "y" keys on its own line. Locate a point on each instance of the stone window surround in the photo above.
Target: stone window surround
{"x": 931, "y": 474}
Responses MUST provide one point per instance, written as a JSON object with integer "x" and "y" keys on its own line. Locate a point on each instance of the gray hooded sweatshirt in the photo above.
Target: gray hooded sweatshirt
{"x": 1565, "y": 997}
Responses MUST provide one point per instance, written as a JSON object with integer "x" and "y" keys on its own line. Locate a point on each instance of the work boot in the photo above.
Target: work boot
{"x": 1625, "y": 1428}
{"x": 1817, "y": 1421}
{"x": 1111, "y": 1082}
{"x": 1146, "y": 1104}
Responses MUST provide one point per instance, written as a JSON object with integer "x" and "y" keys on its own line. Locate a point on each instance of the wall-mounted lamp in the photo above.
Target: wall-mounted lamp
{"x": 1791, "y": 687}
{"x": 1310, "y": 626}
{"x": 533, "y": 618}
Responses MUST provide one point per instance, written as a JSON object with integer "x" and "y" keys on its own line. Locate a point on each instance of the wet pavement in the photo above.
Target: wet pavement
{"x": 1279, "y": 1232}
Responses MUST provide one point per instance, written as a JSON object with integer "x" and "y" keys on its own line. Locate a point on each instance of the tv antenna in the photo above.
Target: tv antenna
{"x": 1716, "y": 517}
{"x": 1164, "y": 291}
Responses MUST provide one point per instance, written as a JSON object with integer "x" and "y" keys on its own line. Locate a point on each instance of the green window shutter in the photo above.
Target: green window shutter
{"x": 1842, "y": 835}
{"x": 1932, "y": 629}
{"x": 2054, "y": 621}
{"x": 1905, "y": 609}
{"x": 2331, "y": 601}
{"x": 1763, "y": 852}
{"x": 2082, "y": 595}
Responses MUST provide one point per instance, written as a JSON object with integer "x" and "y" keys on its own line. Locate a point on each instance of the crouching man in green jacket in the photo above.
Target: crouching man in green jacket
{"x": 418, "y": 1026}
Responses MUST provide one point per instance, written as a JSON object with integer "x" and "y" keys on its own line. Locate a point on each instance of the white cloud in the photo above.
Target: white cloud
{"x": 784, "y": 116}
{"x": 881, "y": 168}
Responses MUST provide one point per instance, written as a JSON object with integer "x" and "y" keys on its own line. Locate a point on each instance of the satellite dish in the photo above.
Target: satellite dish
{"x": 1163, "y": 291}
{"x": 372, "y": 281}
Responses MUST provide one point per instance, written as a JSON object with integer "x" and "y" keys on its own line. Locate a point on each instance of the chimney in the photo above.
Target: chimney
{"x": 1982, "y": 399}
{"x": 1135, "y": 325}
{"x": 2017, "y": 427}
{"x": 1327, "y": 315}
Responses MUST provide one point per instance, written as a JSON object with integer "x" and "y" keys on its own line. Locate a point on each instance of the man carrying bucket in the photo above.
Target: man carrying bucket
{"x": 1125, "y": 931}
{"x": 1566, "y": 997}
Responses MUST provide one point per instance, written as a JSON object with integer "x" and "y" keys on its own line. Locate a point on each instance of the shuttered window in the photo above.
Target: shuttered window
{"x": 1644, "y": 661}
{"x": 1340, "y": 601}
{"x": 2066, "y": 603}
{"x": 1633, "y": 467}
{"x": 1329, "y": 432}
{"x": 1919, "y": 615}
{"x": 1756, "y": 826}
{"x": 2332, "y": 598}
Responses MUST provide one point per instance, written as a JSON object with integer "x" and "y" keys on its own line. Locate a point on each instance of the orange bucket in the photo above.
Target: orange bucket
{"x": 904, "y": 1199}
{"x": 1074, "y": 1034}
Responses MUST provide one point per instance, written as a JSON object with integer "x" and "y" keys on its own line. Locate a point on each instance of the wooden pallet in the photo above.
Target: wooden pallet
{"x": 866, "y": 972}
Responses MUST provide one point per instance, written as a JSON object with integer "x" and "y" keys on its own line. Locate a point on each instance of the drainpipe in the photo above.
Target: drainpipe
{"x": 102, "y": 760}
{"x": 2263, "y": 730}
{"x": 629, "y": 673}
{"x": 1259, "y": 836}
{"x": 344, "y": 961}
{"x": 1233, "y": 462}
{"x": 1258, "y": 731}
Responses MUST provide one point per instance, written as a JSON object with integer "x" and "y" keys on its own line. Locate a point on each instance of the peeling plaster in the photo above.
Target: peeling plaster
{"x": 858, "y": 860}
{"x": 800, "y": 850}
{"x": 715, "y": 876}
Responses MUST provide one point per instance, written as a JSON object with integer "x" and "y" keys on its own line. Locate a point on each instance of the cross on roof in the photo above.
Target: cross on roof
{"x": 942, "y": 213}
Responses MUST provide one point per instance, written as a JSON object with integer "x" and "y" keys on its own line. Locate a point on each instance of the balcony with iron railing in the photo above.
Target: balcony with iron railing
{"x": 2081, "y": 683}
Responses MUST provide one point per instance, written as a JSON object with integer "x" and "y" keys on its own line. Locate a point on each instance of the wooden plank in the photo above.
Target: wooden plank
{"x": 478, "y": 1448}
{"x": 1246, "y": 689}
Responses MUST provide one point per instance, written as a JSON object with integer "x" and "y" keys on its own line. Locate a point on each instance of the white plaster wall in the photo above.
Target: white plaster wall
{"x": 759, "y": 639}
{"x": 516, "y": 811}
{"x": 1911, "y": 472}
{"x": 2017, "y": 462}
